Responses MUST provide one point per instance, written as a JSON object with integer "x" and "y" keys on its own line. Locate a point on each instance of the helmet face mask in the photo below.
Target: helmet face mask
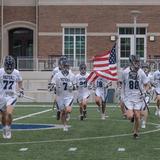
{"x": 65, "y": 67}
{"x": 60, "y": 61}
{"x": 82, "y": 68}
{"x": 9, "y": 64}
{"x": 145, "y": 68}
{"x": 134, "y": 62}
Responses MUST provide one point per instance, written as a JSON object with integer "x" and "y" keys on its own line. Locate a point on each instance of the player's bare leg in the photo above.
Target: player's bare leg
{"x": 81, "y": 110}
{"x": 123, "y": 109}
{"x": 99, "y": 103}
{"x": 144, "y": 116}
{"x": 136, "y": 123}
{"x": 8, "y": 121}
{"x": 158, "y": 106}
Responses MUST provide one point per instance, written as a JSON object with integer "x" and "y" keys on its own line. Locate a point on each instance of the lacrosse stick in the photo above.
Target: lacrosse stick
{"x": 140, "y": 89}
{"x": 24, "y": 96}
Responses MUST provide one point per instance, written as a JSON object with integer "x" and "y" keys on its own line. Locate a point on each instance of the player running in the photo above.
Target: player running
{"x": 83, "y": 91}
{"x": 101, "y": 86}
{"x": 64, "y": 83}
{"x": 9, "y": 79}
{"x": 134, "y": 80}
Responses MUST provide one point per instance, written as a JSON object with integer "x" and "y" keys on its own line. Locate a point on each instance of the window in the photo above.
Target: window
{"x": 75, "y": 45}
{"x": 126, "y": 43}
{"x": 21, "y": 45}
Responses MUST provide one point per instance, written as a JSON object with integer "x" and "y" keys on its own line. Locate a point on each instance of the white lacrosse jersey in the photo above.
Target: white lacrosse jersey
{"x": 63, "y": 84}
{"x": 100, "y": 83}
{"x": 8, "y": 82}
{"x": 81, "y": 82}
{"x": 101, "y": 90}
{"x": 133, "y": 84}
{"x": 156, "y": 80}
{"x": 55, "y": 70}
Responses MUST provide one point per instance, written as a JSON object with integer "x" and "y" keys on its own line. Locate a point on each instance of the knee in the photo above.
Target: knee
{"x": 69, "y": 109}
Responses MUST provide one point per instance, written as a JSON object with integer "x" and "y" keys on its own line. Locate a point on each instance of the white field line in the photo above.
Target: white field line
{"x": 30, "y": 115}
{"x": 78, "y": 139}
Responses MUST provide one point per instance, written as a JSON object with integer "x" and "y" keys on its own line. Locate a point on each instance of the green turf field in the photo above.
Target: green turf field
{"x": 92, "y": 139}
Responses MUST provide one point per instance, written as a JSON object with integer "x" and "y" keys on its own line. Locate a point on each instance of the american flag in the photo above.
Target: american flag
{"x": 104, "y": 66}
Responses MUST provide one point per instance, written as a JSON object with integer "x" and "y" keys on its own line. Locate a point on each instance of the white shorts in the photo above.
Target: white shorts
{"x": 82, "y": 96}
{"x": 101, "y": 93}
{"x": 63, "y": 102}
{"x": 11, "y": 100}
{"x": 3, "y": 103}
{"x": 134, "y": 105}
{"x": 157, "y": 90}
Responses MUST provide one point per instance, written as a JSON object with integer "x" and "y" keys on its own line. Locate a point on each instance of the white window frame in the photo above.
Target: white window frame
{"x": 132, "y": 44}
{"x": 74, "y": 37}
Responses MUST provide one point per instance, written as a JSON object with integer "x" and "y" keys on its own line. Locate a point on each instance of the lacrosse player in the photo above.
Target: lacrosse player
{"x": 148, "y": 94}
{"x": 83, "y": 91}
{"x": 121, "y": 97}
{"x": 134, "y": 79}
{"x": 156, "y": 83}
{"x": 64, "y": 83}
{"x": 101, "y": 89}
{"x": 3, "y": 111}
{"x": 9, "y": 79}
{"x": 54, "y": 72}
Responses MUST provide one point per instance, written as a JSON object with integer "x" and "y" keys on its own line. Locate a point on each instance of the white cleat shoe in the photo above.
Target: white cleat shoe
{"x": 103, "y": 117}
{"x": 65, "y": 129}
{"x": 156, "y": 113}
{"x": 4, "y": 133}
{"x": 8, "y": 133}
{"x": 143, "y": 124}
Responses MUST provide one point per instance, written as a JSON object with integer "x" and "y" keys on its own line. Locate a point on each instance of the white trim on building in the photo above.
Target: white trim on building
{"x": 99, "y": 2}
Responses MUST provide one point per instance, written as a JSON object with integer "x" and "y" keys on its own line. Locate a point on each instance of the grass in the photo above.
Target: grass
{"x": 94, "y": 138}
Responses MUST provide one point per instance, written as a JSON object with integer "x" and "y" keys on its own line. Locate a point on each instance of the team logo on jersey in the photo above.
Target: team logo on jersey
{"x": 133, "y": 75}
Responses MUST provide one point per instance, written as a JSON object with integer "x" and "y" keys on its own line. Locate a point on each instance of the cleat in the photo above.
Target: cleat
{"x": 103, "y": 117}
{"x": 65, "y": 128}
{"x": 156, "y": 113}
{"x": 135, "y": 136}
{"x": 124, "y": 117}
{"x": 84, "y": 114}
{"x": 8, "y": 133}
{"x": 4, "y": 133}
{"x": 58, "y": 115}
{"x": 81, "y": 117}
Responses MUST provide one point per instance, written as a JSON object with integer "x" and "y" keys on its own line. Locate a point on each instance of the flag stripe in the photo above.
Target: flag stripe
{"x": 105, "y": 66}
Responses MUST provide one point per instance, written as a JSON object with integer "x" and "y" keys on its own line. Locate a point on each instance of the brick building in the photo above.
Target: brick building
{"x": 79, "y": 28}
